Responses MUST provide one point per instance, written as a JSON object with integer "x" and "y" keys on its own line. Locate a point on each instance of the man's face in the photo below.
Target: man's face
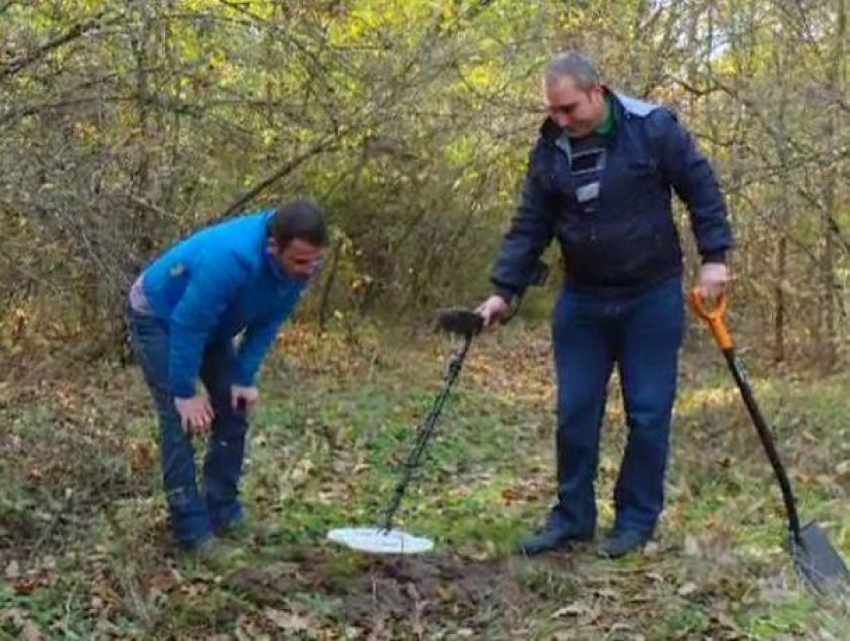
{"x": 299, "y": 258}
{"x": 578, "y": 111}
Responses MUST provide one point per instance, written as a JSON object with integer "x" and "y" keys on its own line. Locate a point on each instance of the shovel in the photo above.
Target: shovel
{"x": 821, "y": 567}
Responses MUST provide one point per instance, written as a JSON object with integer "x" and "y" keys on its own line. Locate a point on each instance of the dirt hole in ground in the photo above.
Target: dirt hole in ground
{"x": 402, "y": 588}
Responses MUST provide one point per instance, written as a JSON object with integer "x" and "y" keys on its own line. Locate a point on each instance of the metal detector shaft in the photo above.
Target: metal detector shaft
{"x": 426, "y": 431}
{"x": 467, "y": 324}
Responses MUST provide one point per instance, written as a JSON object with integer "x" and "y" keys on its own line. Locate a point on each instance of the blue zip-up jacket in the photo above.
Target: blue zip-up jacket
{"x": 630, "y": 241}
{"x": 215, "y": 284}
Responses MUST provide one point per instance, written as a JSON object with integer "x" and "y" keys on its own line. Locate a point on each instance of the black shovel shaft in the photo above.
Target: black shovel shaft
{"x": 767, "y": 442}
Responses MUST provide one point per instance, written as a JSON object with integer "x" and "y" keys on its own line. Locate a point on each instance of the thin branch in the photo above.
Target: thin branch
{"x": 16, "y": 265}
{"x": 76, "y": 31}
{"x": 320, "y": 147}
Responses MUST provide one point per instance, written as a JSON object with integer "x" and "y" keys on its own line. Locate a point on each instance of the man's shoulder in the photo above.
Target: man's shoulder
{"x": 635, "y": 106}
{"x": 239, "y": 235}
{"x": 657, "y": 120}
{"x": 233, "y": 247}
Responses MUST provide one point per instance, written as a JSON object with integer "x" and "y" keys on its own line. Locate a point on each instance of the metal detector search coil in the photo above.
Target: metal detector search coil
{"x": 378, "y": 541}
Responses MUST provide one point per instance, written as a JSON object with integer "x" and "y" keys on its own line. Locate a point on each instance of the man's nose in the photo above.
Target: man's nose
{"x": 563, "y": 120}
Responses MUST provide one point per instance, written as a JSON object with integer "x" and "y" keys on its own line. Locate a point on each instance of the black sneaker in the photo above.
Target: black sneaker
{"x": 250, "y": 531}
{"x": 214, "y": 554}
{"x": 620, "y": 542}
{"x": 551, "y": 538}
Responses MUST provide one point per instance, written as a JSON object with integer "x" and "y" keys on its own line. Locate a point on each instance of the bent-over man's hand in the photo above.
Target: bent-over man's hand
{"x": 196, "y": 414}
{"x": 243, "y": 398}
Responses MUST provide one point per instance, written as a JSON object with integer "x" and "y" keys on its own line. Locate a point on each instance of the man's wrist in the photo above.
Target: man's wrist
{"x": 506, "y": 294}
{"x": 183, "y": 391}
{"x": 714, "y": 258}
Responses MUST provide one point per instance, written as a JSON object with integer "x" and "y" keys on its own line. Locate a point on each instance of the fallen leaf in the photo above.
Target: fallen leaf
{"x": 651, "y": 549}
{"x": 573, "y": 609}
{"x": 31, "y": 632}
{"x": 726, "y": 621}
{"x": 13, "y": 571}
{"x": 27, "y": 628}
{"x": 290, "y": 621}
{"x": 161, "y": 582}
{"x": 688, "y": 588}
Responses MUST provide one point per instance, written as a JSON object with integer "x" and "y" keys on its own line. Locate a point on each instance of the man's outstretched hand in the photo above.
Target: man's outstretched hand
{"x": 493, "y": 309}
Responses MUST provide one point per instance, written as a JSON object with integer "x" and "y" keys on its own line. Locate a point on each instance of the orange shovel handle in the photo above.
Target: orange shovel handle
{"x": 714, "y": 318}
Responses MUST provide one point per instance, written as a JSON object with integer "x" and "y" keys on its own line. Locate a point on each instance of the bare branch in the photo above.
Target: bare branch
{"x": 76, "y": 31}
{"x": 322, "y": 146}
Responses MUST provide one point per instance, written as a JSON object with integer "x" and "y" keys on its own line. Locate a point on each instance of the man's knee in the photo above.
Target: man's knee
{"x": 578, "y": 425}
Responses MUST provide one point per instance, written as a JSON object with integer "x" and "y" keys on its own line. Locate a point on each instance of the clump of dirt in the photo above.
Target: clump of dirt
{"x": 395, "y": 591}
{"x": 474, "y": 591}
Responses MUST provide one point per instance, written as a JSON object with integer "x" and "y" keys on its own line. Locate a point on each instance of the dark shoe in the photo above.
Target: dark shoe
{"x": 551, "y": 538}
{"x": 214, "y": 554}
{"x": 245, "y": 530}
{"x": 619, "y": 543}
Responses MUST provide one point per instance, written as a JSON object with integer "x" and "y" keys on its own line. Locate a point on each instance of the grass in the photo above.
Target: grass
{"x": 86, "y": 553}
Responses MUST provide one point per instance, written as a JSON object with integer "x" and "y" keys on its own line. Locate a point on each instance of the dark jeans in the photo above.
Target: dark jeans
{"x": 642, "y": 335}
{"x": 194, "y": 517}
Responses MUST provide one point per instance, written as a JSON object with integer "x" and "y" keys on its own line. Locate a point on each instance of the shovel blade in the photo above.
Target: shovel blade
{"x": 818, "y": 561}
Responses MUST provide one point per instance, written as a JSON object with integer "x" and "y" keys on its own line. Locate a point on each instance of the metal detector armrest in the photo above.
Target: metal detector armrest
{"x": 460, "y": 321}
{"x": 465, "y": 322}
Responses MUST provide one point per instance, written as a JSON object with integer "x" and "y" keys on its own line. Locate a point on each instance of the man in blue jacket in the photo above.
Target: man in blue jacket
{"x": 600, "y": 180}
{"x": 241, "y": 278}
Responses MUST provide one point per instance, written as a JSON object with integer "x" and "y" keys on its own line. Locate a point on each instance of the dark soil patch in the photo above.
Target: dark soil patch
{"x": 394, "y": 592}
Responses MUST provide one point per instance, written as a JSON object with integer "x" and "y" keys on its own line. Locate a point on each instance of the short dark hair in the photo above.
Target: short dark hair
{"x": 302, "y": 219}
{"x": 575, "y": 65}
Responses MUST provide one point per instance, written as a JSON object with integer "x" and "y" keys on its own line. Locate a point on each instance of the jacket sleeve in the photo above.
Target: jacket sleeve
{"x": 257, "y": 341}
{"x": 695, "y": 182}
{"x": 213, "y": 282}
{"x": 529, "y": 235}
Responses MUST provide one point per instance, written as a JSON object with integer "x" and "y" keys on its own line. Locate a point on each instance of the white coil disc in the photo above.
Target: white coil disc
{"x": 378, "y": 541}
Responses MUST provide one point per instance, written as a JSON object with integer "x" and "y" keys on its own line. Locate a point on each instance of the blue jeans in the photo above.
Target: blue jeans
{"x": 642, "y": 335}
{"x": 194, "y": 518}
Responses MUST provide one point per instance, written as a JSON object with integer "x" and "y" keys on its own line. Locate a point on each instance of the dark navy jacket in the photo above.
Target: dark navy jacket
{"x": 630, "y": 242}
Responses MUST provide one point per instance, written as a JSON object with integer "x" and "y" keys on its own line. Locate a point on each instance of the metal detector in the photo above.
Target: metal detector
{"x": 384, "y": 539}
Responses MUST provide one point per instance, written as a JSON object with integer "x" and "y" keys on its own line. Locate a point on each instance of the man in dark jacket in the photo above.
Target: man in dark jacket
{"x": 241, "y": 278}
{"x": 599, "y": 180}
